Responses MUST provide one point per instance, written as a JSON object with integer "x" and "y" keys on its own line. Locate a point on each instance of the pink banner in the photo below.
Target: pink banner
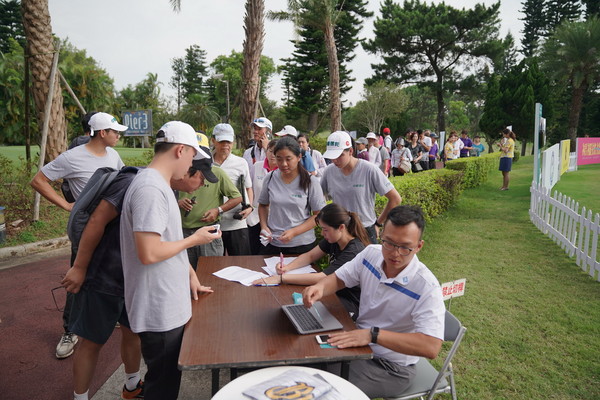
{"x": 588, "y": 151}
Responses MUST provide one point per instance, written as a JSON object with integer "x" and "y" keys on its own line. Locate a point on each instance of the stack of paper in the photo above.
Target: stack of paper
{"x": 272, "y": 264}
{"x": 238, "y": 274}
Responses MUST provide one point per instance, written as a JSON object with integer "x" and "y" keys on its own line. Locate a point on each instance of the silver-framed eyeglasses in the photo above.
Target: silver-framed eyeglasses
{"x": 403, "y": 250}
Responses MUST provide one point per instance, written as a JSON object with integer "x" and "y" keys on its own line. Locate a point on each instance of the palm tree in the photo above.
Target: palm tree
{"x": 40, "y": 50}
{"x": 323, "y": 15}
{"x": 252, "y": 49}
{"x": 572, "y": 55}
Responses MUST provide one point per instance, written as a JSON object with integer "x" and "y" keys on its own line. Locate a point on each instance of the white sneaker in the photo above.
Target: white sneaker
{"x": 66, "y": 346}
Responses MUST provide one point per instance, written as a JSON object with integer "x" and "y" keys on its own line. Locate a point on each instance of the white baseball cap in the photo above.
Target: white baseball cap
{"x": 181, "y": 133}
{"x": 337, "y": 142}
{"x": 288, "y": 130}
{"x": 371, "y": 135}
{"x": 223, "y": 133}
{"x": 263, "y": 122}
{"x": 101, "y": 120}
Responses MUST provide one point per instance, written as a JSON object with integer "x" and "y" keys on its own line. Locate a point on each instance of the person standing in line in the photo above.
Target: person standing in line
{"x": 261, "y": 169}
{"x": 261, "y": 130}
{"x": 233, "y": 222}
{"x": 507, "y": 148}
{"x": 307, "y": 161}
{"x": 78, "y": 165}
{"x": 361, "y": 149}
{"x": 416, "y": 151}
{"x": 385, "y": 160}
{"x": 157, "y": 274}
{"x": 399, "y": 155}
{"x": 216, "y": 195}
{"x": 387, "y": 139}
{"x": 316, "y": 155}
{"x": 451, "y": 149}
{"x": 433, "y": 151}
{"x": 465, "y": 151}
{"x": 288, "y": 202}
{"x": 353, "y": 183}
{"x": 425, "y": 142}
{"x": 374, "y": 153}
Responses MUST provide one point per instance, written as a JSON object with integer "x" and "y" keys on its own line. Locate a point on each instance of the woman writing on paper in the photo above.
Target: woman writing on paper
{"x": 343, "y": 238}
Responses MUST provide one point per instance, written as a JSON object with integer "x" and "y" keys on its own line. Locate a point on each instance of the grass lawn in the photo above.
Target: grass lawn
{"x": 533, "y": 316}
{"x": 582, "y": 185}
{"x": 14, "y": 152}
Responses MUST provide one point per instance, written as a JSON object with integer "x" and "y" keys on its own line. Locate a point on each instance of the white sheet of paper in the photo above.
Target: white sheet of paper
{"x": 272, "y": 263}
{"x": 238, "y": 274}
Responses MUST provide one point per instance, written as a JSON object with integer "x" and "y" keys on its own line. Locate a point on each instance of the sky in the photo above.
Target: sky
{"x": 130, "y": 38}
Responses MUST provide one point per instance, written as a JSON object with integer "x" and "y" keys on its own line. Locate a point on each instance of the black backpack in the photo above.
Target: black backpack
{"x": 88, "y": 201}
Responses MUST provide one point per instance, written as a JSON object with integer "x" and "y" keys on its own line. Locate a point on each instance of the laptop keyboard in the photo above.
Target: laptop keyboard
{"x": 304, "y": 318}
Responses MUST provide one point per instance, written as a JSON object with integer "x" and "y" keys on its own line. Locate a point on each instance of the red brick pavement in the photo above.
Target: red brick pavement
{"x": 30, "y": 327}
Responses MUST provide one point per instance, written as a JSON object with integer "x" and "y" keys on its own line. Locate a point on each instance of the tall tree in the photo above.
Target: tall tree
{"x": 40, "y": 50}
{"x": 592, "y": 8}
{"x": 534, "y": 25}
{"x": 12, "y": 95}
{"x": 494, "y": 117}
{"x": 11, "y": 24}
{"x": 254, "y": 27}
{"x": 559, "y": 11}
{"x": 252, "y": 48}
{"x": 420, "y": 42}
{"x": 176, "y": 82}
{"x": 572, "y": 57}
{"x": 323, "y": 15}
{"x": 194, "y": 71}
{"x": 306, "y": 72}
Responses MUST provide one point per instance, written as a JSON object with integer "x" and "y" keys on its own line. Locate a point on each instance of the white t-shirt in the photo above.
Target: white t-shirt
{"x": 397, "y": 155}
{"x": 157, "y": 296}
{"x": 78, "y": 165}
{"x": 235, "y": 167}
{"x": 319, "y": 162}
{"x": 257, "y": 183}
{"x": 375, "y": 156}
{"x": 259, "y": 155}
{"x": 410, "y": 302}
{"x": 289, "y": 206}
{"x": 387, "y": 142}
{"x": 356, "y": 191}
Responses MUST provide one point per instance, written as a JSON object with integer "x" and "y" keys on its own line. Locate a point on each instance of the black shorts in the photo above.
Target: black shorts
{"x": 95, "y": 314}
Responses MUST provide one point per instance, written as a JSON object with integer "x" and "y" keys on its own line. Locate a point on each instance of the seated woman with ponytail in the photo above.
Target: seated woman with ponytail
{"x": 343, "y": 238}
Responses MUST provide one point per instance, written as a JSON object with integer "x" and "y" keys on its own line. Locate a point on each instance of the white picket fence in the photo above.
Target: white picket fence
{"x": 576, "y": 233}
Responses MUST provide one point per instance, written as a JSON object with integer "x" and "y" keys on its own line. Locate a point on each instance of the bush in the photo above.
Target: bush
{"x": 475, "y": 169}
{"x": 434, "y": 191}
{"x": 142, "y": 161}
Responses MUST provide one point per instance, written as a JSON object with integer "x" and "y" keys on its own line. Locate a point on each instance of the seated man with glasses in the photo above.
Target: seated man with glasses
{"x": 401, "y": 308}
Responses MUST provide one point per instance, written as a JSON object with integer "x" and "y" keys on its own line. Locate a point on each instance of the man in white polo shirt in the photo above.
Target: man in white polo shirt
{"x": 401, "y": 311}
{"x": 233, "y": 222}
{"x": 261, "y": 129}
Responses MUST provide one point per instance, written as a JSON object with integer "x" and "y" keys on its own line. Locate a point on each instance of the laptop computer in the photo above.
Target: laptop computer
{"x": 311, "y": 320}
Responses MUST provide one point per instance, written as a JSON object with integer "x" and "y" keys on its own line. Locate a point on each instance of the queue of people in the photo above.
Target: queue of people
{"x": 153, "y": 225}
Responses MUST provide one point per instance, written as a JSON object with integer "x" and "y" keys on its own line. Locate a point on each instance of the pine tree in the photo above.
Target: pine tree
{"x": 11, "y": 24}
{"x": 558, "y": 11}
{"x": 534, "y": 25}
{"x": 195, "y": 70}
{"x": 176, "y": 82}
{"x": 592, "y": 8}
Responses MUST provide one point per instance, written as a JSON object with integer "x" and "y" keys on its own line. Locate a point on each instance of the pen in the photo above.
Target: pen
{"x": 267, "y": 284}
{"x": 281, "y": 259}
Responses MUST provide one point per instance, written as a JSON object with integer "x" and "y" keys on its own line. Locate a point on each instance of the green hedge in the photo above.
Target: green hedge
{"x": 434, "y": 191}
{"x": 475, "y": 169}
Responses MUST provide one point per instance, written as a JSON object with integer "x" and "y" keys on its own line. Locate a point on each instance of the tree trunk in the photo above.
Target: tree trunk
{"x": 40, "y": 48}
{"x": 441, "y": 112}
{"x": 253, "y": 46}
{"x": 334, "y": 78}
{"x": 575, "y": 111}
{"x": 312, "y": 123}
{"x": 523, "y": 146}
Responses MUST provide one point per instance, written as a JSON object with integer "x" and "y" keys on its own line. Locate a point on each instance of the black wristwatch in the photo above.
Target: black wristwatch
{"x": 378, "y": 224}
{"x": 374, "y": 334}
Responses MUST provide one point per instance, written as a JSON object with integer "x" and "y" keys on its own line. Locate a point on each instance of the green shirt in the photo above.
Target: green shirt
{"x": 208, "y": 196}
